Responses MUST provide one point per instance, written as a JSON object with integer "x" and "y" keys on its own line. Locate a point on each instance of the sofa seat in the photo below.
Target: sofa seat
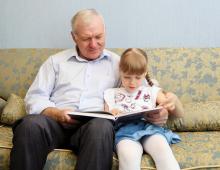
{"x": 189, "y": 153}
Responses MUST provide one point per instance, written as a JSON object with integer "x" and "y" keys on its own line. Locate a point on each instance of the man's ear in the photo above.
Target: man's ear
{"x": 73, "y": 37}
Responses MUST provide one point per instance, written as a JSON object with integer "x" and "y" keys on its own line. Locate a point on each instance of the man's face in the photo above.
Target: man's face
{"x": 90, "y": 38}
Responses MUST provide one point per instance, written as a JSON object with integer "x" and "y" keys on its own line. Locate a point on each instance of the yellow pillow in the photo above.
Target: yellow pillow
{"x": 199, "y": 116}
{"x": 2, "y": 105}
{"x": 13, "y": 110}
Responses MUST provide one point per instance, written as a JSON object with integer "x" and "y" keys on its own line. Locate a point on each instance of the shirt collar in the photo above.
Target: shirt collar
{"x": 77, "y": 57}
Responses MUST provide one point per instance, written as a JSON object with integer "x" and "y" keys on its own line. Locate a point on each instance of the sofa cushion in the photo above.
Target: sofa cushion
{"x": 13, "y": 110}
{"x": 199, "y": 116}
{"x": 2, "y": 105}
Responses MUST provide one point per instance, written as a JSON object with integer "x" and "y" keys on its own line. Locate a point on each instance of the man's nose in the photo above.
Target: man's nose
{"x": 92, "y": 42}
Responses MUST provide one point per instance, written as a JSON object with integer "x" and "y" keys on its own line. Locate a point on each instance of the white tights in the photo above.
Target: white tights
{"x": 130, "y": 153}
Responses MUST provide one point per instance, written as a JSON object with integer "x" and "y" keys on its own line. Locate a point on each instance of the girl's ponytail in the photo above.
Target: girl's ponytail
{"x": 149, "y": 80}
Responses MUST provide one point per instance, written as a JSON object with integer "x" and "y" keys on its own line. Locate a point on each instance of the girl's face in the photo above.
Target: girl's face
{"x": 132, "y": 81}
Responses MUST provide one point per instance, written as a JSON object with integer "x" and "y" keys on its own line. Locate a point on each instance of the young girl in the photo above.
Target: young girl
{"x": 135, "y": 137}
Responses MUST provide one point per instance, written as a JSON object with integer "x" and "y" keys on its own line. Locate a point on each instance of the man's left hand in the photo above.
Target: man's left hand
{"x": 159, "y": 119}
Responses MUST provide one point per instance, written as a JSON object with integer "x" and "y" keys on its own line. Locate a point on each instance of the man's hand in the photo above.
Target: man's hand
{"x": 170, "y": 102}
{"x": 60, "y": 115}
{"x": 173, "y": 105}
{"x": 159, "y": 119}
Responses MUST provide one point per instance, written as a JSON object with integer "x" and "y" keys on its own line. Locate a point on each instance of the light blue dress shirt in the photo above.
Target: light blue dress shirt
{"x": 65, "y": 80}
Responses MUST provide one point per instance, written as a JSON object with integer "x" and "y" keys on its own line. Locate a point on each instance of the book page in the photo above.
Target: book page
{"x": 98, "y": 114}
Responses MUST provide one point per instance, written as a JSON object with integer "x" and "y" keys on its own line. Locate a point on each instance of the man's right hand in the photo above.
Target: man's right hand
{"x": 60, "y": 115}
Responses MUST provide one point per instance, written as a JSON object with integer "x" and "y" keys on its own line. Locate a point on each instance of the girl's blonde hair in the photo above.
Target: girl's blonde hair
{"x": 134, "y": 61}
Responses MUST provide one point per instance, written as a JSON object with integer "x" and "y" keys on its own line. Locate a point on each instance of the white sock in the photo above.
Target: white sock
{"x": 129, "y": 154}
{"x": 159, "y": 149}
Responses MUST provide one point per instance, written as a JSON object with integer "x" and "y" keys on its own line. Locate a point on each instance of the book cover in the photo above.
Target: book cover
{"x": 122, "y": 117}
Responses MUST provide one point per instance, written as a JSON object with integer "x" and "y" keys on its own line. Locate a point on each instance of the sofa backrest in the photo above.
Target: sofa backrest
{"x": 19, "y": 67}
{"x": 192, "y": 73}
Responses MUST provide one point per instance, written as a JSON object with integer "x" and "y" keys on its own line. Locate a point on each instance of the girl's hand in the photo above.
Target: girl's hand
{"x": 115, "y": 111}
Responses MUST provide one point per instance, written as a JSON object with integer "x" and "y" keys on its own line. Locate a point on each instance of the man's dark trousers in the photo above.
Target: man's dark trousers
{"x": 37, "y": 135}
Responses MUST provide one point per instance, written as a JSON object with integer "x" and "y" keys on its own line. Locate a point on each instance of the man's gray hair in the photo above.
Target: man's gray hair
{"x": 85, "y": 16}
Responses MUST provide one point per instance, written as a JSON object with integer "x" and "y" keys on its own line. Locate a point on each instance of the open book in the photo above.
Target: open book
{"x": 122, "y": 117}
